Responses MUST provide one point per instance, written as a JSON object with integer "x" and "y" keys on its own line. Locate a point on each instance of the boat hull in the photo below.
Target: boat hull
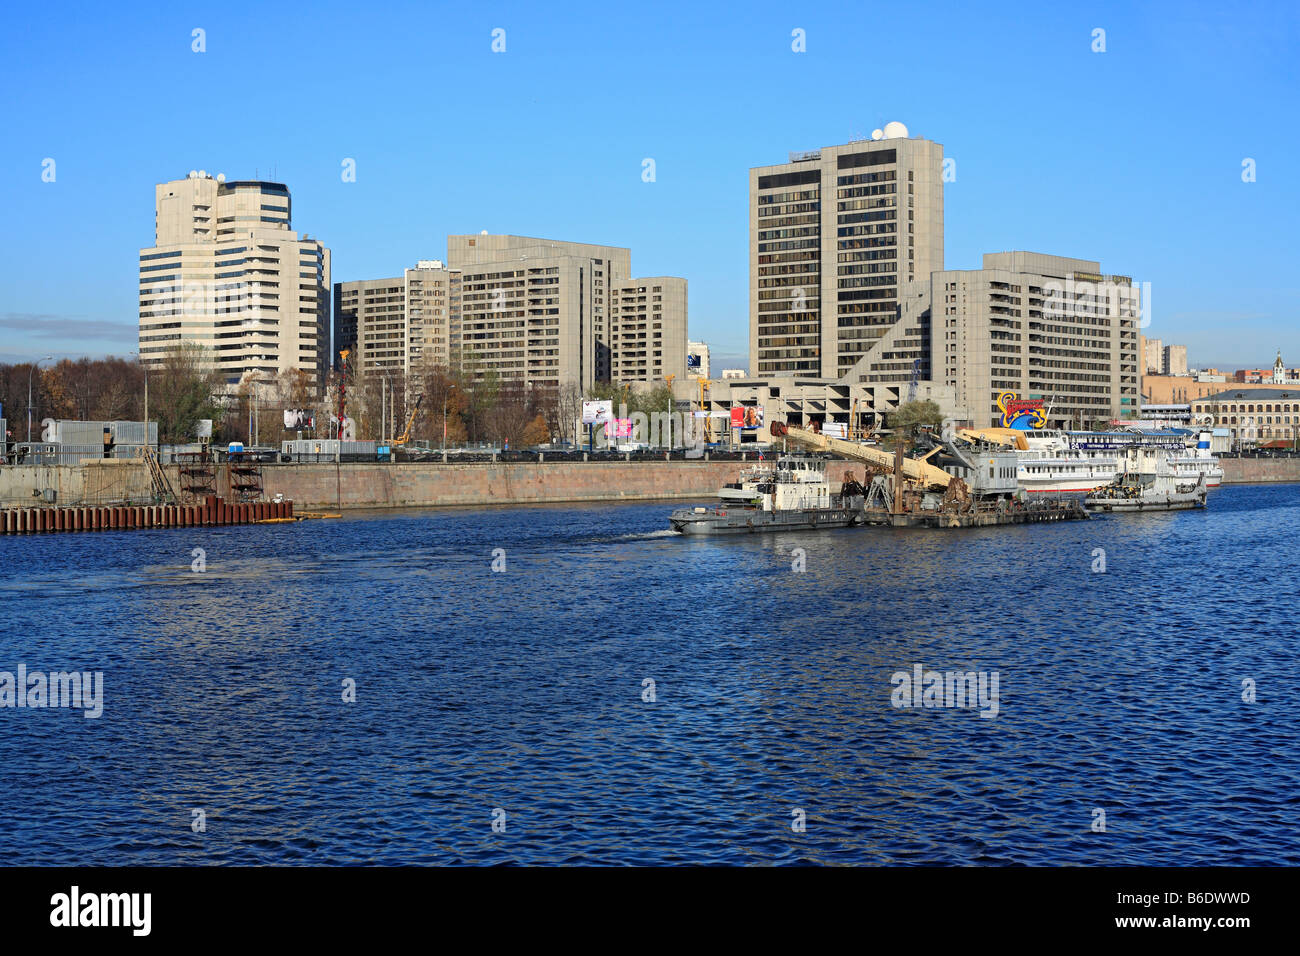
{"x": 1131, "y": 507}
{"x": 751, "y": 521}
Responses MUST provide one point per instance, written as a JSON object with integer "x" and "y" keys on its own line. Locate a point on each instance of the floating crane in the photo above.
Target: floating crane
{"x": 914, "y": 469}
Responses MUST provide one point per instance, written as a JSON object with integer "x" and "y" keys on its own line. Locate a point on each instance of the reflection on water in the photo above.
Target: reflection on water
{"x": 523, "y": 690}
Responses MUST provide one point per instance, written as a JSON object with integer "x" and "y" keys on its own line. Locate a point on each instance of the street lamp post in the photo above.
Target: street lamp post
{"x": 30, "y": 372}
{"x": 144, "y": 366}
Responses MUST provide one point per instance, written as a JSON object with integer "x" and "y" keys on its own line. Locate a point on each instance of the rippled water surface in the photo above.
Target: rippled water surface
{"x": 522, "y": 690}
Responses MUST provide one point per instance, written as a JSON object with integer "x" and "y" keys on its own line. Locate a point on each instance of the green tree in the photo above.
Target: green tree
{"x": 910, "y": 415}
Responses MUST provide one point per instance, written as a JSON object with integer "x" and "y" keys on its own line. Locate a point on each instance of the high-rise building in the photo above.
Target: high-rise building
{"x": 1173, "y": 360}
{"x": 227, "y": 273}
{"x": 398, "y": 325}
{"x": 1152, "y": 355}
{"x": 539, "y": 312}
{"x": 647, "y": 329}
{"x": 536, "y": 311}
{"x": 835, "y": 235}
{"x": 1041, "y": 327}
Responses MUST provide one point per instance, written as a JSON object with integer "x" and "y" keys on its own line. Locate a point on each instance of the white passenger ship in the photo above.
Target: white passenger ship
{"x": 1062, "y": 462}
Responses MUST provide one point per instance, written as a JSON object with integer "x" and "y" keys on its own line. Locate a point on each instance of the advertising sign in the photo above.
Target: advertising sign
{"x": 692, "y": 360}
{"x": 1021, "y": 413}
{"x": 618, "y": 428}
{"x": 748, "y": 417}
{"x": 595, "y": 412}
{"x": 298, "y": 418}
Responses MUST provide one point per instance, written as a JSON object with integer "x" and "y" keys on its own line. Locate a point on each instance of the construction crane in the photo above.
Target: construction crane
{"x": 914, "y": 469}
{"x": 704, "y": 408}
{"x": 857, "y": 430}
{"x": 403, "y": 438}
{"x": 343, "y": 386}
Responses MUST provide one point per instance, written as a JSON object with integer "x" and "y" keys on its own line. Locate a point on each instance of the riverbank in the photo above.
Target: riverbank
{"x": 434, "y": 484}
{"x": 1259, "y": 470}
{"x": 497, "y": 483}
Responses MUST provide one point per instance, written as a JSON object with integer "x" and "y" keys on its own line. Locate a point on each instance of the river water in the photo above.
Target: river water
{"x": 618, "y": 694}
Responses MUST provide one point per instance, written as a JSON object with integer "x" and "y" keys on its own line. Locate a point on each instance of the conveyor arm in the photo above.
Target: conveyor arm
{"x": 934, "y": 477}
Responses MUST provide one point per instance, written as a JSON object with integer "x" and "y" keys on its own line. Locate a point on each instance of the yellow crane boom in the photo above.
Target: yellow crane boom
{"x": 913, "y": 468}
{"x": 403, "y": 438}
{"x": 1011, "y": 437}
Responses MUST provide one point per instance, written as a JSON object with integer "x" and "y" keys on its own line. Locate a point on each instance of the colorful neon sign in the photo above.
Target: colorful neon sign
{"x": 1021, "y": 413}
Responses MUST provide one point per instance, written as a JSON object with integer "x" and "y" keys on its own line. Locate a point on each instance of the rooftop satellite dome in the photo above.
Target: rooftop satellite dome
{"x": 877, "y": 134}
{"x": 194, "y": 174}
{"x": 203, "y": 174}
{"x": 483, "y": 233}
{"x": 895, "y": 130}
{"x": 221, "y": 177}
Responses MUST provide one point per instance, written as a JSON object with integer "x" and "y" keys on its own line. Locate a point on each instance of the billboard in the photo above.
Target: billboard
{"x": 594, "y": 412}
{"x": 748, "y": 417}
{"x": 1021, "y": 413}
{"x": 618, "y": 428}
{"x": 298, "y": 418}
{"x": 692, "y": 359}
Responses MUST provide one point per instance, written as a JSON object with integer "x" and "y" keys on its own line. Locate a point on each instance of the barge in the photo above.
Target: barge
{"x": 955, "y": 483}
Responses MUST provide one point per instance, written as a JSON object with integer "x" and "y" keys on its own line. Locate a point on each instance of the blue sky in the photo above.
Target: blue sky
{"x": 1132, "y": 156}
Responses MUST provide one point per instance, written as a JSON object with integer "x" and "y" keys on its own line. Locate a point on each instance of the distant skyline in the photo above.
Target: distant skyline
{"x": 1134, "y": 156}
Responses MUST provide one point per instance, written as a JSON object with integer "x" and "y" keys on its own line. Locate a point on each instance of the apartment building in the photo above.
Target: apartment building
{"x": 228, "y": 273}
{"x": 1039, "y": 326}
{"x": 835, "y": 234}
{"x": 398, "y": 325}
{"x": 647, "y": 329}
{"x": 1173, "y": 360}
{"x": 540, "y": 312}
{"x": 1153, "y": 351}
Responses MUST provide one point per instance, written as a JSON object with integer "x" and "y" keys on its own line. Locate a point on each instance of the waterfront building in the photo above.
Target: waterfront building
{"x": 228, "y": 273}
{"x": 1041, "y": 327}
{"x": 401, "y": 324}
{"x": 835, "y": 234}
{"x": 1252, "y": 416}
{"x": 647, "y": 329}
{"x": 539, "y": 312}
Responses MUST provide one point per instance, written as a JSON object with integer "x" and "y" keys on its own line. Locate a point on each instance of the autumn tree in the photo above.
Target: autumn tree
{"x": 183, "y": 389}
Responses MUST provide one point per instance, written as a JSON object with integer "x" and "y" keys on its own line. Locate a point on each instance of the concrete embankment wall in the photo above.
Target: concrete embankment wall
{"x": 412, "y": 485}
{"x": 358, "y": 485}
{"x": 1240, "y": 470}
{"x": 94, "y": 482}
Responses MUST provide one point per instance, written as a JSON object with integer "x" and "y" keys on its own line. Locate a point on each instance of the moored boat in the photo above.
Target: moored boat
{"x": 793, "y": 493}
{"x": 1148, "y": 481}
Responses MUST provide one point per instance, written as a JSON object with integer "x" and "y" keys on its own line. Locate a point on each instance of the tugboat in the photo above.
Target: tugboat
{"x": 791, "y": 494}
{"x": 1146, "y": 481}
